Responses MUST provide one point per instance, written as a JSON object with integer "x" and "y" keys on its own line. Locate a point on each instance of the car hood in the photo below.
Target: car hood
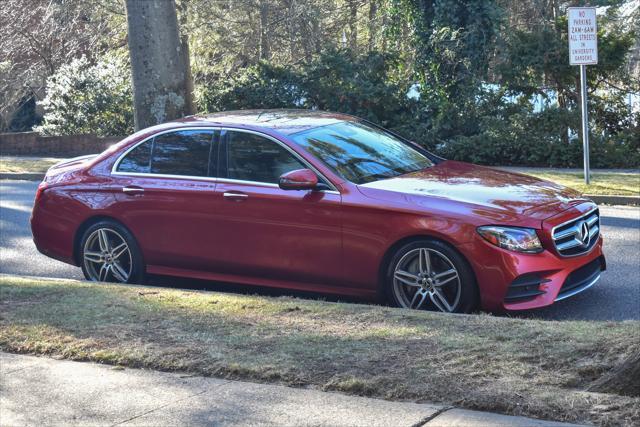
{"x": 491, "y": 189}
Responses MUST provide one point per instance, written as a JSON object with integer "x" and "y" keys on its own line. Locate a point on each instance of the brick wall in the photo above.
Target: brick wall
{"x": 32, "y": 144}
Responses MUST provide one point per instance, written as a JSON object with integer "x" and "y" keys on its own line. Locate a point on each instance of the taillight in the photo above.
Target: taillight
{"x": 41, "y": 187}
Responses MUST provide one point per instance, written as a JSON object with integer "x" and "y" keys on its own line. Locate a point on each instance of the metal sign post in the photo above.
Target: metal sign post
{"x": 585, "y": 122}
{"x": 583, "y": 51}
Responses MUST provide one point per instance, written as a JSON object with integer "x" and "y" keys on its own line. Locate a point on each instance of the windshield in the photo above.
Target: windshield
{"x": 361, "y": 153}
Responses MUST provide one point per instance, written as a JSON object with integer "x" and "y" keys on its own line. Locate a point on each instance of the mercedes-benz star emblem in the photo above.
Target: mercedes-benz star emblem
{"x": 584, "y": 234}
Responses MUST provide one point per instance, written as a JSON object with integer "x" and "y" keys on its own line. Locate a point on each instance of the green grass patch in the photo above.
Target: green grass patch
{"x": 515, "y": 366}
{"x": 602, "y": 183}
{"x": 26, "y": 165}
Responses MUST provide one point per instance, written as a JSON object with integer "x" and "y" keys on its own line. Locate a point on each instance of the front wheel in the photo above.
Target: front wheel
{"x": 429, "y": 274}
{"x": 111, "y": 254}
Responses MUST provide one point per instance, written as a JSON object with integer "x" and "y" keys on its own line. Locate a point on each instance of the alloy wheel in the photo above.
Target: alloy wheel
{"x": 107, "y": 256}
{"x": 425, "y": 275}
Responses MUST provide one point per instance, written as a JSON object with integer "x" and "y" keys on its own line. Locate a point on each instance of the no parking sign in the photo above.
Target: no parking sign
{"x": 583, "y": 51}
{"x": 583, "y": 36}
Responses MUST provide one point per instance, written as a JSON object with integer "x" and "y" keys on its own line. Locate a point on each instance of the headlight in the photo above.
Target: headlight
{"x": 512, "y": 238}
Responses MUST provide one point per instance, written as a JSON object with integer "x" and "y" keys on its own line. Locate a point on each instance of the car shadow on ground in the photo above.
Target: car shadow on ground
{"x": 234, "y": 288}
{"x": 545, "y": 313}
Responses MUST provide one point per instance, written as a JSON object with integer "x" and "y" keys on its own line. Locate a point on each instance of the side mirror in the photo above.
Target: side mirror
{"x": 300, "y": 179}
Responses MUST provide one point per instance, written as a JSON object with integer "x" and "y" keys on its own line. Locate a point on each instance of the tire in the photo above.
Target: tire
{"x": 446, "y": 283}
{"x": 106, "y": 259}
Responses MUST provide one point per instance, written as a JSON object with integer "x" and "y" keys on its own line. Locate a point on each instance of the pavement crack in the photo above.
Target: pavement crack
{"x": 159, "y": 407}
{"x": 425, "y": 420}
{"x": 168, "y": 404}
{"x": 16, "y": 370}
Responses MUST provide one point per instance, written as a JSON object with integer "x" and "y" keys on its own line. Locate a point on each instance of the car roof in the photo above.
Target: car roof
{"x": 285, "y": 122}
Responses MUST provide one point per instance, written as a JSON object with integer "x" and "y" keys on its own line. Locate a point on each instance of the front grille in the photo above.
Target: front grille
{"x": 577, "y": 236}
{"x": 581, "y": 279}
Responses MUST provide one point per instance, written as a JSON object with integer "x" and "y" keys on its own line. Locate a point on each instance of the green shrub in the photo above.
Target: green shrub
{"x": 83, "y": 97}
{"x": 528, "y": 138}
{"x": 260, "y": 86}
{"x": 367, "y": 86}
{"x": 492, "y": 130}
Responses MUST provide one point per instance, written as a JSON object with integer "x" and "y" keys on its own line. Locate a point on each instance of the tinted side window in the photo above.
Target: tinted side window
{"x": 138, "y": 160}
{"x": 253, "y": 158}
{"x": 182, "y": 153}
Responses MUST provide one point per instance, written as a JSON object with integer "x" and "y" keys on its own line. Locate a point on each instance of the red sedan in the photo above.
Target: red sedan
{"x": 322, "y": 202}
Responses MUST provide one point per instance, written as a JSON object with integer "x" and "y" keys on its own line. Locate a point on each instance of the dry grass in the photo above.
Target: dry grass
{"x": 514, "y": 366}
{"x": 602, "y": 183}
{"x": 26, "y": 164}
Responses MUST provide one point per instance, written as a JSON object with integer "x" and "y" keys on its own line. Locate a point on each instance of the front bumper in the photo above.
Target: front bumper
{"x": 517, "y": 281}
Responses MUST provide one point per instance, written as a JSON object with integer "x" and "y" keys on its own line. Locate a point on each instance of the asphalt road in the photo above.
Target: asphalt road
{"x": 615, "y": 297}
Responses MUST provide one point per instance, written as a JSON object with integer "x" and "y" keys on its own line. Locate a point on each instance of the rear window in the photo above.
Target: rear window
{"x": 182, "y": 153}
{"x": 186, "y": 153}
{"x": 138, "y": 160}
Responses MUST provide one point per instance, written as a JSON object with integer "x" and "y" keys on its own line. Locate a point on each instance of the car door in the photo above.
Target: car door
{"x": 167, "y": 197}
{"x": 269, "y": 233}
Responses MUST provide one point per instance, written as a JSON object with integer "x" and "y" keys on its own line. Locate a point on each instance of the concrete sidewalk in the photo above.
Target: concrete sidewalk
{"x": 41, "y": 391}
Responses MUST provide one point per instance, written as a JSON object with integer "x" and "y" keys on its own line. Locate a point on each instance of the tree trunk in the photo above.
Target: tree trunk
{"x": 160, "y": 73}
{"x": 291, "y": 32}
{"x": 353, "y": 25}
{"x": 182, "y": 11}
{"x": 623, "y": 380}
{"x": 317, "y": 36}
{"x": 563, "y": 101}
{"x": 265, "y": 49}
{"x": 373, "y": 11}
{"x": 383, "y": 33}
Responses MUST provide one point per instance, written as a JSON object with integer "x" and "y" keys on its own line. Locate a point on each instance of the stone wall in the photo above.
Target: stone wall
{"x": 32, "y": 144}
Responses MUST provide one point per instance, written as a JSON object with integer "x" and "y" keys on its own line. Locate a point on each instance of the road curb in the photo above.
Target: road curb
{"x": 50, "y": 279}
{"x": 615, "y": 199}
{"x": 457, "y": 417}
{"x": 22, "y": 176}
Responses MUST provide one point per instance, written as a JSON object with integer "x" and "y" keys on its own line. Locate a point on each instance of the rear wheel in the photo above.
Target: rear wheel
{"x": 111, "y": 254}
{"x": 430, "y": 275}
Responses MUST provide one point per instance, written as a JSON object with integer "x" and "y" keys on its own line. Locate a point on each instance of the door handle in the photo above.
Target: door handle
{"x": 237, "y": 197}
{"x": 132, "y": 190}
